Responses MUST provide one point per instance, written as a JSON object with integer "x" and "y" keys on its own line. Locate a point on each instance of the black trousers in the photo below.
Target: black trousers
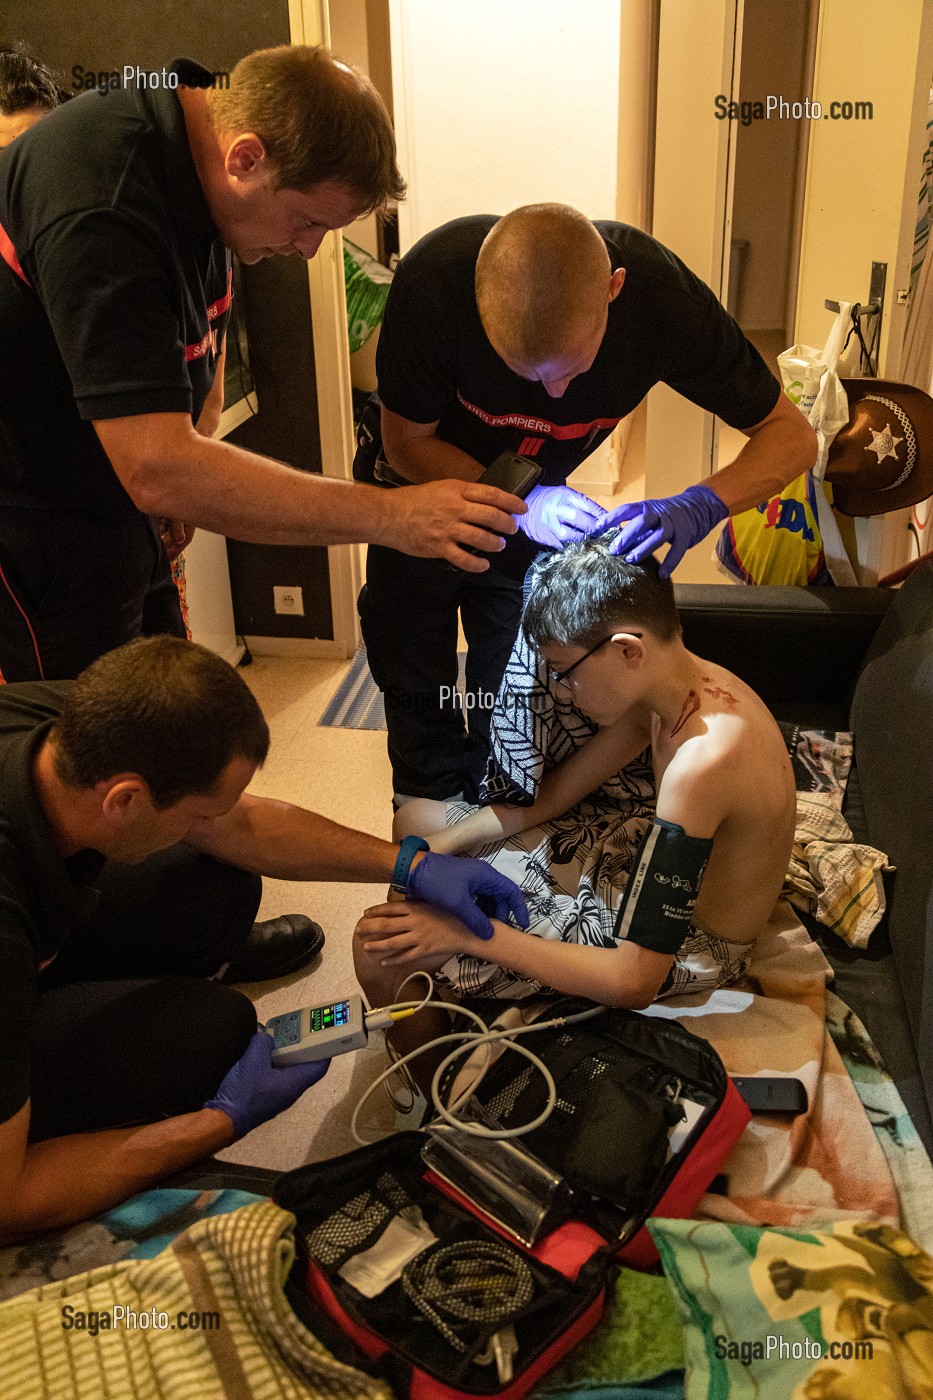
{"x": 75, "y": 586}
{"x": 408, "y": 614}
{"x": 128, "y": 1027}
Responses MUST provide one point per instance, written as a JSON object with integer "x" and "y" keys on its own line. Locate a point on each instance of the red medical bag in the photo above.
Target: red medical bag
{"x": 624, "y": 1082}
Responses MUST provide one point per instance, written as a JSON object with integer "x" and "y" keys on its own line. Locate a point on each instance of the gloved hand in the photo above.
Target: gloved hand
{"x": 557, "y": 515}
{"x": 680, "y": 521}
{"x": 455, "y": 883}
{"x": 254, "y": 1090}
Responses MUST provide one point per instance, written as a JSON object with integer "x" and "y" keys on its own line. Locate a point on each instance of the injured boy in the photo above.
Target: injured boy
{"x": 631, "y": 896}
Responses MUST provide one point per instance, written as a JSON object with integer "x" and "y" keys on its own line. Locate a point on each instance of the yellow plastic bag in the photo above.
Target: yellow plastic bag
{"x": 778, "y": 542}
{"x": 785, "y": 540}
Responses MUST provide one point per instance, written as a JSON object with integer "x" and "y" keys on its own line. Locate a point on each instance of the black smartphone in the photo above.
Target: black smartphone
{"x": 772, "y": 1095}
{"x": 512, "y": 473}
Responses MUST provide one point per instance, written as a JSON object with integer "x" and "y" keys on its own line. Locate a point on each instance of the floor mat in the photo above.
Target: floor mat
{"x": 357, "y": 702}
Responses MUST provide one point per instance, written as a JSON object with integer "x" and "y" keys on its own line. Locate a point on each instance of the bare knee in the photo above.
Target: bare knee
{"x": 420, "y": 817}
{"x": 379, "y": 983}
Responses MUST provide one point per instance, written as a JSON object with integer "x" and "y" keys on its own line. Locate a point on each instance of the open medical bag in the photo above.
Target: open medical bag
{"x": 419, "y": 1258}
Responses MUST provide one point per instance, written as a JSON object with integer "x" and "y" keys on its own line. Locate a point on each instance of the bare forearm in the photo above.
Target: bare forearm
{"x": 560, "y": 790}
{"x": 481, "y": 828}
{"x": 431, "y": 459}
{"x": 290, "y": 843}
{"x": 237, "y": 493}
{"x": 605, "y": 975}
{"x": 169, "y": 470}
{"x": 68, "y": 1179}
{"x": 772, "y": 457}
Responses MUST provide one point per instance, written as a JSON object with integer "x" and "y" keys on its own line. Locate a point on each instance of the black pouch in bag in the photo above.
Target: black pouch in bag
{"x": 620, "y": 1144}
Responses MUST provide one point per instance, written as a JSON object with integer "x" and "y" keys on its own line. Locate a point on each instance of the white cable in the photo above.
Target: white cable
{"x": 470, "y": 1040}
{"x": 413, "y": 1006}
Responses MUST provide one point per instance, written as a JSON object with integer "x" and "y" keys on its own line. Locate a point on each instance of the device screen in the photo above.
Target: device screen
{"x": 327, "y": 1018}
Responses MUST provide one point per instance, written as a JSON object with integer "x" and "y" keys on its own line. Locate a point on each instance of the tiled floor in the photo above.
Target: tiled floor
{"x": 343, "y": 774}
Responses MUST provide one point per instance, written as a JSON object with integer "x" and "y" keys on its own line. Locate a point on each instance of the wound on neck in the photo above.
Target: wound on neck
{"x": 691, "y": 705}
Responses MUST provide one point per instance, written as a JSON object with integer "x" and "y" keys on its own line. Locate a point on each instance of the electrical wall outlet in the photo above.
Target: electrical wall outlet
{"x": 288, "y": 600}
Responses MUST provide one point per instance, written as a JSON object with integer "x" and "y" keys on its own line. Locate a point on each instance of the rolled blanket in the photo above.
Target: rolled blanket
{"x": 833, "y": 876}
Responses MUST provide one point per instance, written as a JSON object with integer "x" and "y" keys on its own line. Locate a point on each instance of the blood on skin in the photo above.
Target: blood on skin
{"x": 691, "y": 705}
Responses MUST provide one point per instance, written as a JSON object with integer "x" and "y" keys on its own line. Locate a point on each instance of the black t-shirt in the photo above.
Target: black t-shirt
{"x": 124, "y": 293}
{"x": 435, "y": 363}
{"x": 42, "y": 895}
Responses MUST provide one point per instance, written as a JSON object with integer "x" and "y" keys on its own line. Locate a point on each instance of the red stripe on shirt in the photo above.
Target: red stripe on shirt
{"x": 25, "y": 616}
{"x": 530, "y": 446}
{"x": 216, "y": 308}
{"x": 199, "y": 348}
{"x": 561, "y": 431}
{"x": 8, "y": 254}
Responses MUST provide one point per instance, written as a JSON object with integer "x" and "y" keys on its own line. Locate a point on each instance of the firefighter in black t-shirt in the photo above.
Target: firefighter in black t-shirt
{"x": 538, "y": 333}
{"x": 131, "y": 859}
{"x": 118, "y": 214}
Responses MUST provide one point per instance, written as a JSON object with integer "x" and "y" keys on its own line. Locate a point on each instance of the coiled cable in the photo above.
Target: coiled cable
{"x": 472, "y": 1284}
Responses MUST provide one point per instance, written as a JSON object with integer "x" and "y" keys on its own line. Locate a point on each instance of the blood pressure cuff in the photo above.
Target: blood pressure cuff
{"x": 657, "y": 908}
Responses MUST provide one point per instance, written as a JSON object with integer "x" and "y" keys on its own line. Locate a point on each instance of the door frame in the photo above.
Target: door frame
{"x": 699, "y": 53}
{"x": 309, "y": 24}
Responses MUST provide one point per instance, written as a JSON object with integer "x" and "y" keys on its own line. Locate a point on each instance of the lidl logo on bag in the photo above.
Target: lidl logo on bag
{"x": 781, "y": 514}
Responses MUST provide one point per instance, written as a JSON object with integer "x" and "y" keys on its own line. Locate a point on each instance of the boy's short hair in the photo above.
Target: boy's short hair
{"x": 318, "y": 118}
{"x": 581, "y": 593}
{"x": 169, "y": 710}
{"x": 26, "y": 85}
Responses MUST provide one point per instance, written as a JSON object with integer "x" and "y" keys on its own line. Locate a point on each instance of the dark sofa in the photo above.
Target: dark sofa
{"x": 858, "y": 659}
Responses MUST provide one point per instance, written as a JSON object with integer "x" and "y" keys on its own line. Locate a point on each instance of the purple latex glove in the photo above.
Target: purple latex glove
{"x": 455, "y": 883}
{"x": 557, "y": 515}
{"x": 680, "y": 521}
{"x": 254, "y": 1090}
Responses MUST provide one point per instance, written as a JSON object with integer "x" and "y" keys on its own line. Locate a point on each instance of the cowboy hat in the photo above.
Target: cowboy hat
{"x": 883, "y": 458}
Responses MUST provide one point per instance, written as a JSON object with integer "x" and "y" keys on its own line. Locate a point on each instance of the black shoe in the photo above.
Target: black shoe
{"x": 275, "y": 948}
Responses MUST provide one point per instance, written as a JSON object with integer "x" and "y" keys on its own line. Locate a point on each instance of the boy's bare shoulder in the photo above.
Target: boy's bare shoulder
{"x": 732, "y": 715}
{"x": 730, "y": 740}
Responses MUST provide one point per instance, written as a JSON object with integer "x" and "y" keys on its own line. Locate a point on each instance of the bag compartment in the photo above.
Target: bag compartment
{"x": 623, "y": 1060}
{"x": 343, "y": 1208}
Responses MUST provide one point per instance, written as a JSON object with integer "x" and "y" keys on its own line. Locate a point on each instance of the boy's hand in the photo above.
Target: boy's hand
{"x": 396, "y": 934}
{"x": 456, "y": 883}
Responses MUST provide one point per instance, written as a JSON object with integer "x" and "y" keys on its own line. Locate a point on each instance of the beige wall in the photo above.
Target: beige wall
{"x": 504, "y": 102}
{"x": 349, "y": 37}
{"x": 695, "y": 62}
{"x": 500, "y": 103}
{"x": 359, "y": 32}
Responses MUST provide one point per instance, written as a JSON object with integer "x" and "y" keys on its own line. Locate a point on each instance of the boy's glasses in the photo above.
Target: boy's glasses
{"x": 563, "y": 677}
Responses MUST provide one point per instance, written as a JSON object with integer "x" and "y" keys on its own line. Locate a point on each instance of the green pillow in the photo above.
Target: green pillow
{"x": 840, "y": 1313}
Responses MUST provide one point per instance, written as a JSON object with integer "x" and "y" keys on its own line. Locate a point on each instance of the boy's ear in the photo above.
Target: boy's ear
{"x": 633, "y": 648}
